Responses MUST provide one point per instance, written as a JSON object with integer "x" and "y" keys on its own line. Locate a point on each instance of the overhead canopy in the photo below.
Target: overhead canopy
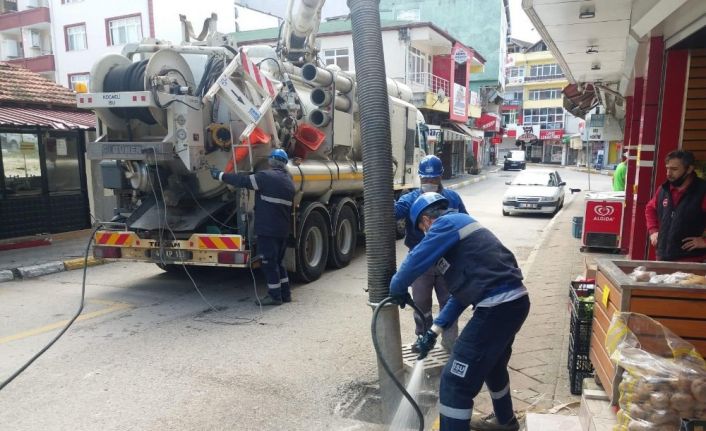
{"x": 47, "y": 118}
{"x": 468, "y": 131}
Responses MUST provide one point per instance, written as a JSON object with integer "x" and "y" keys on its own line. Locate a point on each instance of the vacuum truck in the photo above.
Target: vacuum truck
{"x": 167, "y": 113}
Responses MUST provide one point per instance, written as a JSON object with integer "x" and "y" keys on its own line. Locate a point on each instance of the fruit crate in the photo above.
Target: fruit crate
{"x": 580, "y": 367}
{"x": 581, "y": 296}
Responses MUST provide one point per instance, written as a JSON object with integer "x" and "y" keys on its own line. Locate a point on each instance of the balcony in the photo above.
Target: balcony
{"x": 425, "y": 82}
{"x": 39, "y": 64}
{"x": 544, "y": 78}
{"x": 25, "y": 18}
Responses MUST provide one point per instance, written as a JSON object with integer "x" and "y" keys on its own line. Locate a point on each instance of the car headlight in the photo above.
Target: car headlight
{"x": 548, "y": 199}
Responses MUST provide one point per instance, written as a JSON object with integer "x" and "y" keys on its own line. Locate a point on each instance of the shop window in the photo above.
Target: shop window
{"x": 124, "y": 30}
{"x": 340, "y": 57}
{"x": 20, "y": 157}
{"x": 63, "y": 170}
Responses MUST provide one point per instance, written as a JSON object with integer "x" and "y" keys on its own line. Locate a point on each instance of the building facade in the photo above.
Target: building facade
{"x": 61, "y": 39}
{"x": 533, "y": 112}
{"x": 436, "y": 66}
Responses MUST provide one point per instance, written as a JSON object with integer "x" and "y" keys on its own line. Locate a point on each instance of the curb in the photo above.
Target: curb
{"x": 465, "y": 182}
{"x": 47, "y": 268}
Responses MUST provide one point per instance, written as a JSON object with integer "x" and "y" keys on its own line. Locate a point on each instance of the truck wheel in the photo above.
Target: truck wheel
{"x": 171, "y": 268}
{"x": 344, "y": 239}
{"x": 312, "y": 247}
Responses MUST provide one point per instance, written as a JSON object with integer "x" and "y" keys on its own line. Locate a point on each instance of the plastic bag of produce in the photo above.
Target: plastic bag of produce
{"x": 664, "y": 378}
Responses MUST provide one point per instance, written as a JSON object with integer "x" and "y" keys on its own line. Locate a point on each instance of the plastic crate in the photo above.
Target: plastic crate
{"x": 581, "y": 308}
{"x": 580, "y": 367}
{"x": 580, "y": 331}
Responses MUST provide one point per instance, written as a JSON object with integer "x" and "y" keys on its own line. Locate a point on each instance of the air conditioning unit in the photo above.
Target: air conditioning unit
{"x": 35, "y": 39}
{"x": 10, "y": 48}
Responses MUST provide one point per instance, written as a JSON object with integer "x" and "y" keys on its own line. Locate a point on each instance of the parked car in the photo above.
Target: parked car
{"x": 514, "y": 160}
{"x": 536, "y": 191}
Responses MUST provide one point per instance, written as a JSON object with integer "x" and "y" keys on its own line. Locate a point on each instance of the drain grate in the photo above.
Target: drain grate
{"x": 434, "y": 363}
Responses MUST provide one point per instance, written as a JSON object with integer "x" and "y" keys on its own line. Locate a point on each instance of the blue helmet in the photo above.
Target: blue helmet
{"x": 279, "y": 154}
{"x": 430, "y": 167}
{"x": 423, "y": 202}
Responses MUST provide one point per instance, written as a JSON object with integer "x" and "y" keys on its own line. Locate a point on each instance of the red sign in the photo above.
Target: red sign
{"x": 512, "y": 133}
{"x": 551, "y": 134}
{"x": 488, "y": 123}
{"x": 495, "y": 140}
{"x": 603, "y": 217}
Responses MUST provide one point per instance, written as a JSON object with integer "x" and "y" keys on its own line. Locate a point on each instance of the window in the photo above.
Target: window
{"x": 510, "y": 117}
{"x": 513, "y": 98}
{"x": 516, "y": 71}
{"x": 124, "y": 30}
{"x": 75, "y": 37}
{"x": 78, "y": 77}
{"x": 9, "y": 6}
{"x": 545, "y": 94}
{"x": 339, "y": 57}
{"x": 419, "y": 65}
{"x": 546, "y": 71}
{"x": 547, "y": 118}
{"x": 20, "y": 157}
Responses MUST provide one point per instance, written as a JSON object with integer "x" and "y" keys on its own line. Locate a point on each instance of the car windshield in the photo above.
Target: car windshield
{"x": 531, "y": 179}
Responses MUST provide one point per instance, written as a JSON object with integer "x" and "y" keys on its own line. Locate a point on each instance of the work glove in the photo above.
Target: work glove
{"x": 402, "y": 299}
{"x": 216, "y": 173}
{"x": 425, "y": 343}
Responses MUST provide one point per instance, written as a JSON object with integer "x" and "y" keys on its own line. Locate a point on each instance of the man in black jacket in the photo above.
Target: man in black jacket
{"x": 274, "y": 196}
{"x": 676, "y": 214}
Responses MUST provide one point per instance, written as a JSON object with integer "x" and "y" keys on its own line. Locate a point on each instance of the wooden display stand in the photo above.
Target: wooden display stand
{"x": 680, "y": 308}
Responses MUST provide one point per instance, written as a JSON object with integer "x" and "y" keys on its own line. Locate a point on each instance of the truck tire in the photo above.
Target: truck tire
{"x": 344, "y": 238}
{"x": 172, "y": 268}
{"x": 312, "y": 247}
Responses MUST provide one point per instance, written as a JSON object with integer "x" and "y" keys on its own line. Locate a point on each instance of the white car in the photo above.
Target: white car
{"x": 535, "y": 191}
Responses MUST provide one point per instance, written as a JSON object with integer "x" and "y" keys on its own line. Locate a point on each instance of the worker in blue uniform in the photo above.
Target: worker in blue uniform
{"x": 274, "y": 197}
{"x": 481, "y": 273}
{"x": 429, "y": 171}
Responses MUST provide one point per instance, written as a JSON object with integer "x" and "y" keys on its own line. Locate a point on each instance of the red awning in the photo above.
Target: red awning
{"x": 48, "y": 118}
{"x": 488, "y": 123}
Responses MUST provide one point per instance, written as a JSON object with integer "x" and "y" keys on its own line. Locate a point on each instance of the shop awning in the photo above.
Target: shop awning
{"x": 579, "y": 100}
{"x": 474, "y": 133}
{"x": 47, "y": 118}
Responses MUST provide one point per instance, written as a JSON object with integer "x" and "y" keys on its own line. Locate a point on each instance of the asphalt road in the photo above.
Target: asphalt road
{"x": 150, "y": 354}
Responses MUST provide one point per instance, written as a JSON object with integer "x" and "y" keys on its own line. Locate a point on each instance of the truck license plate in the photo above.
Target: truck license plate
{"x": 173, "y": 255}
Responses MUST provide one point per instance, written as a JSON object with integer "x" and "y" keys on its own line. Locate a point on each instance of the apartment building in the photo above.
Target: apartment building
{"x": 61, "y": 39}
{"x": 533, "y": 112}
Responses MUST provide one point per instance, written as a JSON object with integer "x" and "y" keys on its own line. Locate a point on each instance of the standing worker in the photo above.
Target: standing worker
{"x": 620, "y": 173}
{"x": 676, "y": 214}
{"x": 274, "y": 196}
{"x": 430, "y": 171}
{"x": 481, "y": 273}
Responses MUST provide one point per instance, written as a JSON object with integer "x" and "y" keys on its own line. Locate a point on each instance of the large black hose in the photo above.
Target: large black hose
{"x": 129, "y": 77}
{"x": 388, "y": 370}
{"x": 377, "y": 150}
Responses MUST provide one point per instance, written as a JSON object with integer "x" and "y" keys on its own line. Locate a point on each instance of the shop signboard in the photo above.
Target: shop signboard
{"x": 459, "y": 103}
{"x": 496, "y": 140}
{"x": 551, "y": 134}
{"x": 528, "y": 133}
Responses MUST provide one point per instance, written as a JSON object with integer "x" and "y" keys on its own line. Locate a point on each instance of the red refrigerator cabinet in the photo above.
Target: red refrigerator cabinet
{"x": 603, "y": 220}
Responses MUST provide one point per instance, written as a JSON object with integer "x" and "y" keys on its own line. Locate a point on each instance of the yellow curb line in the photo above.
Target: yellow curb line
{"x": 112, "y": 308}
{"x": 77, "y": 263}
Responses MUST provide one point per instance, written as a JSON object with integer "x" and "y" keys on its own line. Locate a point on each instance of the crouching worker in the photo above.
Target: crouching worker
{"x": 274, "y": 195}
{"x": 482, "y": 273}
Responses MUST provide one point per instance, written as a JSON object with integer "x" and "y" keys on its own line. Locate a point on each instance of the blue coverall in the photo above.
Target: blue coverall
{"x": 431, "y": 280}
{"x": 274, "y": 195}
{"x": 482, "y": 273}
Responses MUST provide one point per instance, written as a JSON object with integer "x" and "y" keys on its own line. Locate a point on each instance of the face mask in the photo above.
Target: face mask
{"x": 426, "y": 188}
{"x": 679, "y": 181}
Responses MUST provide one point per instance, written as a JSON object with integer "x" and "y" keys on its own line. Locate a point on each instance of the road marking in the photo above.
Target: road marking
{"x": 112, "y": 307}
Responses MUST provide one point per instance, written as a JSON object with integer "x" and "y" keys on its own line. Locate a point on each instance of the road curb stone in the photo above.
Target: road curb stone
{"x": 41, "y": 269}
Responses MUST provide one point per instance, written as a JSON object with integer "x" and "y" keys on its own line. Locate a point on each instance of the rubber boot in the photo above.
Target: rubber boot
{"x": 286, "y": 294}
{"x": 490, "y": 423}
{"x": 273, "y": 297}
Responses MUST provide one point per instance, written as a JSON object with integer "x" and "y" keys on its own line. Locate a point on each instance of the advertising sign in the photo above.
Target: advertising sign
{"x": 603, "y": 216}
{"x": 459, "y": 110}
{"x": 551, "y": 134}
{"x": 528, "y": 133}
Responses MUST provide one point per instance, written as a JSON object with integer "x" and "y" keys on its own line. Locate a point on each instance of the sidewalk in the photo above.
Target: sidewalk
{"x": 66, "y": 251}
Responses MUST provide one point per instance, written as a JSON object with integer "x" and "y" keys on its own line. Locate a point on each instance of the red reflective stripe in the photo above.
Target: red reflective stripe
{"x": 229, "y": 242}
{"x": 207, "y": 242}
{"x": 258, "y": 78}
{"x": 103, "y": 238}
{"x": 121, "y": 239}
{"x": 270, "y": 87}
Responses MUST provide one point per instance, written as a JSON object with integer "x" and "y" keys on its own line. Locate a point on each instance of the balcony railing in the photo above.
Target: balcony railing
{"x": 544, "y": 77}
{"x": 427, "y": 82}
